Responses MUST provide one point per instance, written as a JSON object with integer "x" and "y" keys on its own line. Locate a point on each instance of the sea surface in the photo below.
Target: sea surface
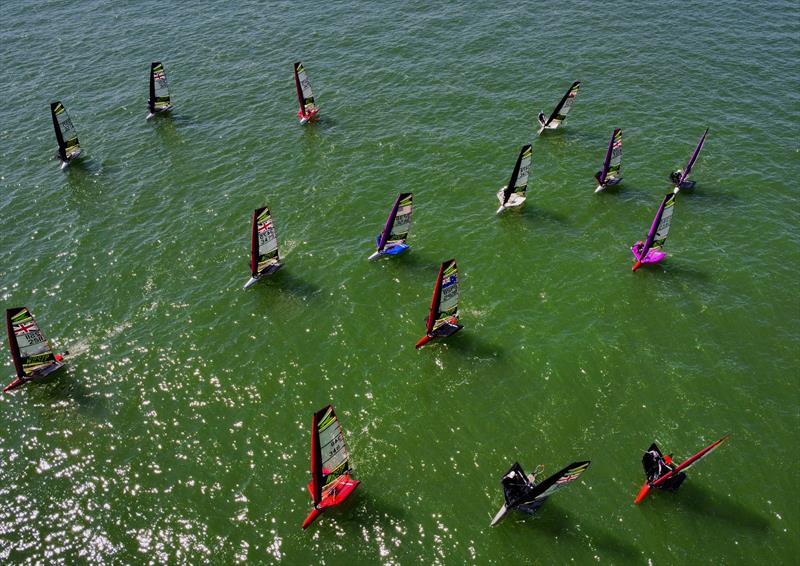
{"x": 179, "y": 431}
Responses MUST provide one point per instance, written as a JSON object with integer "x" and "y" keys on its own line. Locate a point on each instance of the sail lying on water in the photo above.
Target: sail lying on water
{"x": 31, "y": 351}
{"x": 523, "y": 493}
{"x": 305, "y": 96}
{"x": 392, "y": 240}
{"x": 330, "y": 464}
{"x": 513, "y": 194}
{"x": 663, "y": 474}
{"x": 561, "y": 110}
{"x": 443, "y": 316}
{"x": 264, "y": 255}
{"x": 610, "y": 173}
{"x": 67, "y": 137}
{"x": 681, "y": 177}
{"x": 159, "y": 100}
{"x": 650, "y": 250}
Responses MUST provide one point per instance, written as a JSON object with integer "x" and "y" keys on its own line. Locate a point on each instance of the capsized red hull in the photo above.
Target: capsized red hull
{"x": 336, "y": 496}
{"x": 642, "y": 492}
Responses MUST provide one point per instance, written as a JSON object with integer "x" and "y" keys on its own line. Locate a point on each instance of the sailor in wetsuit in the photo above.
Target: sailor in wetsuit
{"x": 541, "y": 118}
{"x": 675, "y": 176}
{"x": 656, "y": 465}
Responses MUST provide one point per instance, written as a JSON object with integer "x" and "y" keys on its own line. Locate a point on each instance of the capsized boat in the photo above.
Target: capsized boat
{"x": 331, "y": 482}
{"x": 159, "y": 100}
{"x": 513, "y": 194}
{"x": 662, "y": 473}
{"x": 561, "y": 110}
{"x": 680, "y": 177}
{"x": 67, "y": 137}
{"x": 264, "y": 254}
{"x": 392, "y": 240}
{"x": 32, "y": 353}
{"x": 442, "y": 319}
{"x": 309, "y": 111}
{"x": 650, "y": 250}
{"x": 523, "y": 493}
{"x": 609, "y": 174}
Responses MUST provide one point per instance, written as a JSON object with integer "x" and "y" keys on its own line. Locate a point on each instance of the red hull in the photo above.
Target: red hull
{"x": 14, "y": 384}
{"x": 336, "y": 496}
{"x": 645, "y": 489}
{"x": 424, "y": 340}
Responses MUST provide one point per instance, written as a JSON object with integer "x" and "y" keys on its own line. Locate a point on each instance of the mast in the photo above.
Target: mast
{"x": 390, "y": 222}
{"x": 254, "y": 241}
{"x": 436, "y": 299}
{"x": 316, "y": 457}
{"x": 12, "y": 341}
{"x": 151, "y": 103}
{"x": 692, "y": 159}
{"x": 54, "y": 107}
{"x": 691, "y": 461}
{"x": 297, "y": 68}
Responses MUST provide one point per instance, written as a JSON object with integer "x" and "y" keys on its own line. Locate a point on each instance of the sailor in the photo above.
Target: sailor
{"x": 657, "y": 465}
{"x": 541, "y": 118}
{"x": 675, "y": 176}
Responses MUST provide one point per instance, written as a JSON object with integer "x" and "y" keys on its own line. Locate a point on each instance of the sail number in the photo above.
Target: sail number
{"x": 34, "y": 337}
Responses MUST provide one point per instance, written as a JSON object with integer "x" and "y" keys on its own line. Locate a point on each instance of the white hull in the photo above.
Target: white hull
{"x": 599, "y": 188}
{"x": 513, "y": 201}
{"x": 64, "y": 165}
{"x": 375, "y": 256}
{"x": 499, "y": 516}
{"x": 251, "y": 282}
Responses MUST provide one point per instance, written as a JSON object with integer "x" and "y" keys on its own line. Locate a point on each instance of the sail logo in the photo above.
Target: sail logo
{"x": 24, "y": 328}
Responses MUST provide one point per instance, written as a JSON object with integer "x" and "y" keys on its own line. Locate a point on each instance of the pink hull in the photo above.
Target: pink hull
{"x": 653, "y": 256}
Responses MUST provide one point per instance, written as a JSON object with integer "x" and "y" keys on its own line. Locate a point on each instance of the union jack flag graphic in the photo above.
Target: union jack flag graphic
{"x": 159, "y": 76}
{"x": 568, "y": 478}
{"x": 24, "y": 328}
{"x": 264, "y": 226}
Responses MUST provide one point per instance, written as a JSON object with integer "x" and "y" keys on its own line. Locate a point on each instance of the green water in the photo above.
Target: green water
{"x": 179, "y": 432}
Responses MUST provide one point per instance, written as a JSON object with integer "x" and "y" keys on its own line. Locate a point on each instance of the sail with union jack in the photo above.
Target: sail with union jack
{"x": 610, "y": 173}
{"x": 31, "y": 351}
{"x": 264, "y": 254}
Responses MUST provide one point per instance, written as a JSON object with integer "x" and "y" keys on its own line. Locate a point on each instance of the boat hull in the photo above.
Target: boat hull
{"x": 500, "y": 515}
{"x": 342, "y": 491}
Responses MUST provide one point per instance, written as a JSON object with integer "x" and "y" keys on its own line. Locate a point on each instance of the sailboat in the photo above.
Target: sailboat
{"x": 523, "y": 493}
{"x": 264, "y": 255}
{"x": 308, "y": 108}
{"x": 159, "y": 101}
{"x": 392, "y": 240}
{"x": 31, "y": 351}
{"x": 650, "y": 250}
{"x": 331, "y": 482}
{"x": 66, "y": 135}
{"x": 561, "y": 110}
{"x": 442, "y": 319}
{"x": 680, "y": 177}
{"x": 663, "y": 474}
{"x": 513, "y": 194}
{"x": 609, "y": 174}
